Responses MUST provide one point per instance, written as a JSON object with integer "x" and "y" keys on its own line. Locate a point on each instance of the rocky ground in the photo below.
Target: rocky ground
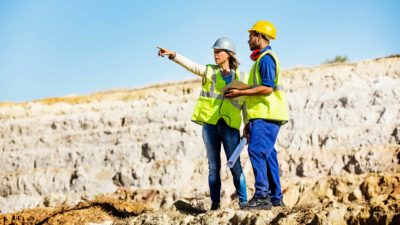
{"x": 134, "y": 157}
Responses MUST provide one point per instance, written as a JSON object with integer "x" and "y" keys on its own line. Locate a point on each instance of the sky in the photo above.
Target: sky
{"x": 71, "y": 47}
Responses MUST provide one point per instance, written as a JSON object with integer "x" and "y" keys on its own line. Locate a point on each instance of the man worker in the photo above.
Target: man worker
{"x": 266, "y": 111}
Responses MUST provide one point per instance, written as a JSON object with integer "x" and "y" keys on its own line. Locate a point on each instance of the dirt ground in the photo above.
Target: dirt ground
{"x": 96, "y": 211}
{"x": 117, "y": 209}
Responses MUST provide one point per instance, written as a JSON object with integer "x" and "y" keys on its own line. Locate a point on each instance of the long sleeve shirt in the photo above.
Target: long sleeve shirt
{"x": 199, "y": 70}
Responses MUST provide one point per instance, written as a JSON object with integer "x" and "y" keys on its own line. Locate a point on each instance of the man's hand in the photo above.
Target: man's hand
{"x": 232, "y": 93}
{"x": 246, "y": 132}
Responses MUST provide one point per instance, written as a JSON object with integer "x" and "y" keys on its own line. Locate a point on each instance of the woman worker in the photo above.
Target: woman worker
{"x": 219, "y": 116}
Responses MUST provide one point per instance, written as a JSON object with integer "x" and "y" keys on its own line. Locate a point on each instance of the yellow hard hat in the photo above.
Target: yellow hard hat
{"x": 266, "y": 28}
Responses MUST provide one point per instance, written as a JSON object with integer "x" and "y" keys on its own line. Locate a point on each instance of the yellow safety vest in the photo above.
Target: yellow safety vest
{"x": 212, "y": 105}
{"x": 272, "y": 106}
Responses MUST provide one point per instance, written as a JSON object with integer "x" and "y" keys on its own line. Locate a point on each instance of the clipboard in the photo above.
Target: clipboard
{"x": 236, "y": 84}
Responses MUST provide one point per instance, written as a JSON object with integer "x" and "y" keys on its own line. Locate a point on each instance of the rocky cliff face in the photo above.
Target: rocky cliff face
{"x": 340, "y": 149}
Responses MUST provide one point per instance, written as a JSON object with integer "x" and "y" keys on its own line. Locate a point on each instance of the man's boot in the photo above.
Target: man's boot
{"x": 259, "y": 203}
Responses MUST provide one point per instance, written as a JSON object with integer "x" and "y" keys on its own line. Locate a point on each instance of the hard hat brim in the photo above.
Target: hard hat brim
{"x": 222, "y": 49}
{"x": 267, "y": 36}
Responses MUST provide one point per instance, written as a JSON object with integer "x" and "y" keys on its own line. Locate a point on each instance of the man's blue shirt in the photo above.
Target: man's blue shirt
{"x": 267, "y": 69}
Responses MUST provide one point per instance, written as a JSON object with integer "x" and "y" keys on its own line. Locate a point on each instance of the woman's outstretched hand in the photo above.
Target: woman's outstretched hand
{"x": 163, "y": 51}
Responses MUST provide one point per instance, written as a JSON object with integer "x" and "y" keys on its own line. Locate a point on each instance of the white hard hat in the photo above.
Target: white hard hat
{"x": 225, "y": 43}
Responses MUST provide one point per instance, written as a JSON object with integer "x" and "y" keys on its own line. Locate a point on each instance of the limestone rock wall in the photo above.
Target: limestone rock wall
{"x": 345, "y": 119}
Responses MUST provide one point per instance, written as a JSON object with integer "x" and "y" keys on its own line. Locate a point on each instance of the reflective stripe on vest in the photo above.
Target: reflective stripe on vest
{"x": 220, "y": 97}
{"x": 276, "y": 88}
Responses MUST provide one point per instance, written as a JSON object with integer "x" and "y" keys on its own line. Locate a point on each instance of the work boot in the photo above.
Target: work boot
{"x": 278, "y": 203}
{"x": 215, "y": 206}
{"x": 259, "y": 203}
{"x": 242, "y": 205}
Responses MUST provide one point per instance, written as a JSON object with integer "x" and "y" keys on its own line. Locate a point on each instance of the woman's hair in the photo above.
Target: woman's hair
{"x": 233, "y": 62}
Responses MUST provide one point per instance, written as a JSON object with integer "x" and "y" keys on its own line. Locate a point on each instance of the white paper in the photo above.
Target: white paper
{"x": 235, "y": 155}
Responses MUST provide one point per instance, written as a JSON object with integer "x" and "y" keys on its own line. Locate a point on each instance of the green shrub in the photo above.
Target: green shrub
{"x": 337, "y": 59}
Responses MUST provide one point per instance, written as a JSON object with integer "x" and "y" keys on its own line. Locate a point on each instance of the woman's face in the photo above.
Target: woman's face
{"x": 220, "y": 56}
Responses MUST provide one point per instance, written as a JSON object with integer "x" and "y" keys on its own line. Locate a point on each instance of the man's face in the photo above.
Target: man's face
{"x": 253, "y": 40}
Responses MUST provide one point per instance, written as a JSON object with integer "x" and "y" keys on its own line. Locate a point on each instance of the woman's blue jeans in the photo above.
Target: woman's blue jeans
{"x": 213, "y": 135}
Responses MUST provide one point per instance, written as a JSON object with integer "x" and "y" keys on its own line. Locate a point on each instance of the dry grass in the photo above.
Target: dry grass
{"x": 116, "y": 95}
{"x": 141, "y": 93}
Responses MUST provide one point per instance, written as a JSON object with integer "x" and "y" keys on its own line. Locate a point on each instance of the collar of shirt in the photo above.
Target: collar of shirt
{"x": 266, "y": 48}
{"x": 228, "y": 78}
